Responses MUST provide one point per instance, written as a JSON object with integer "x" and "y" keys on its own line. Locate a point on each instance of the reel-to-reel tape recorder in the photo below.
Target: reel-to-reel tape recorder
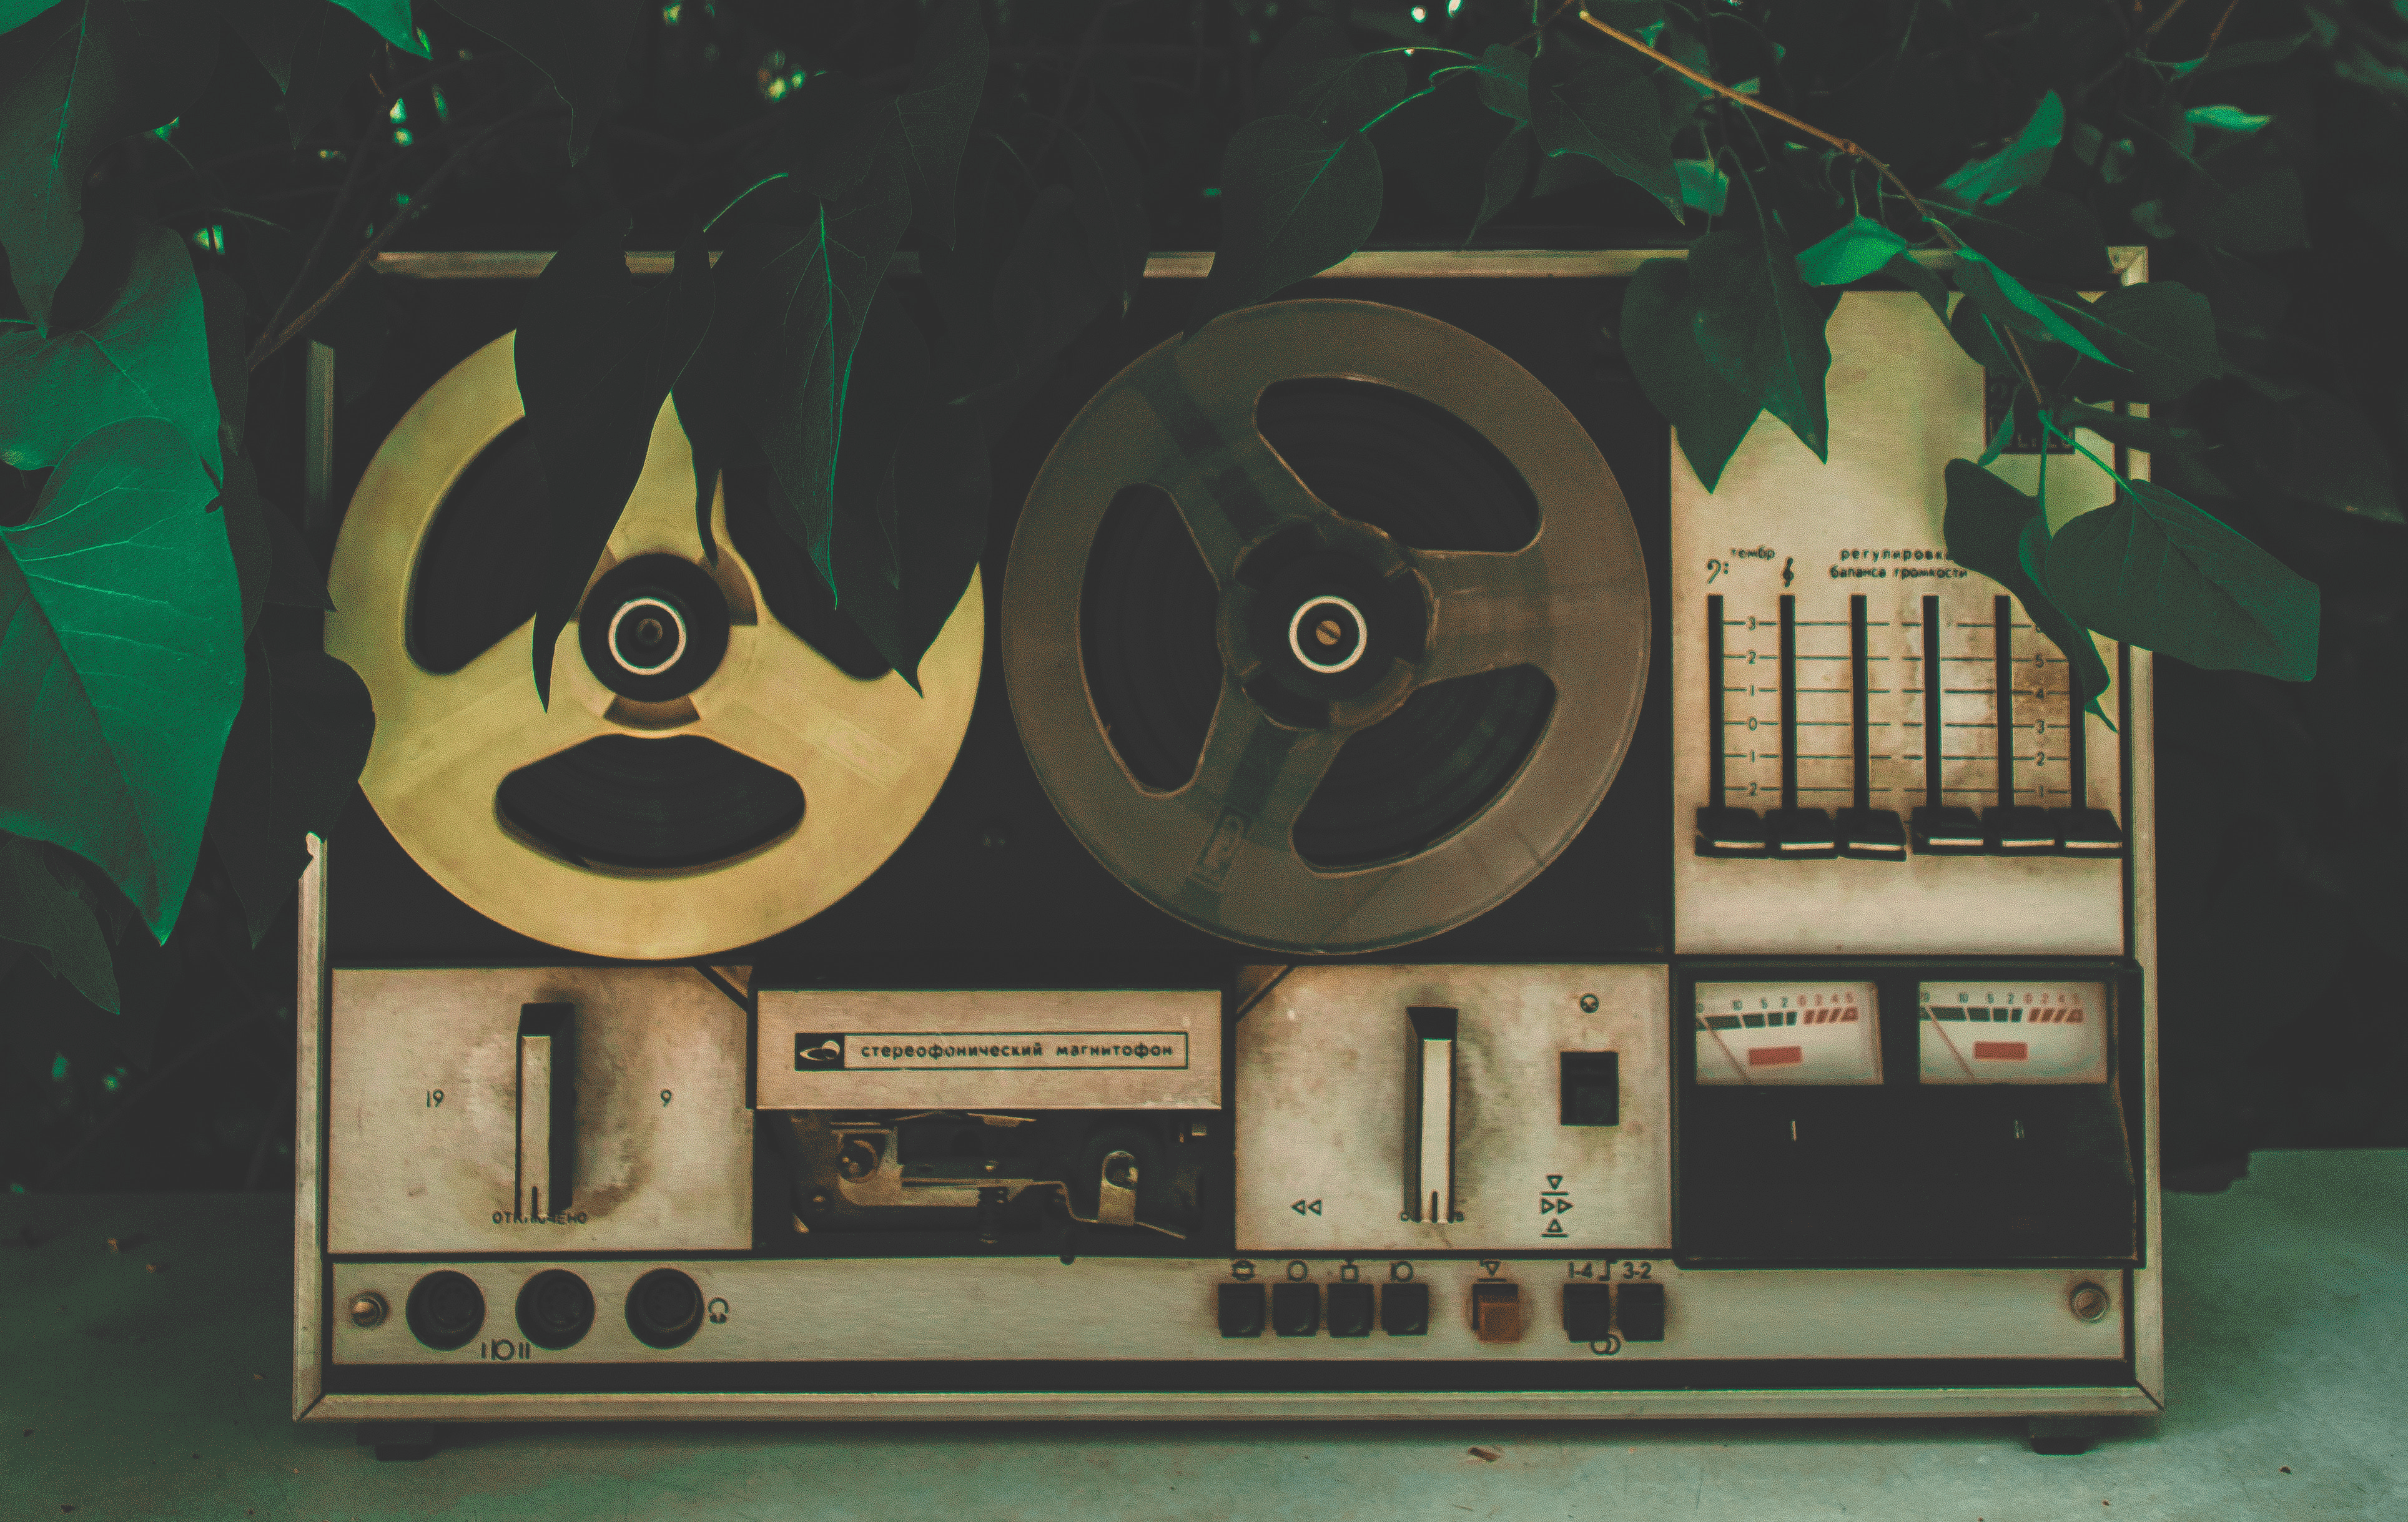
{"x": 1390, "y": 900}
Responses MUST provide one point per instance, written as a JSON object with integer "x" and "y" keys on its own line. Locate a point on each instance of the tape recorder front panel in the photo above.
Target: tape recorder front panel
{"x": 1252, "y": 979}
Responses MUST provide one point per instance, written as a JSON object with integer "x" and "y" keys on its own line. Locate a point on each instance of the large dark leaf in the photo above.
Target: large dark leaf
{"x": 314, "y": 50}
{"x": 2010, "y": 304}
{"x": 272, "y": 562}
{"x": 597, "y": 357}
{"x": 148, "y": 356}
{"x": 1048, "y": 288}
{"x": 1984, "y": 526}
{"x": 1602, "y": 107}
{"x": 1295, "y": 199}
{"x": 221, "y": 320}
{"x": 2160, "y": 335}
{"x": 2155, "y": 571}
{"x": 1761, "y": 327}
{"x": 297, "y": 747}
{"x": 831, "y": 132}
{"x": 578, "y": 45}
{"x": 947, "y": 76}
{"x": 72, "y": 82}
{"x": 2040, "y": 235}
{"x": 2319, "y": 447}
{"x": 1660, "y": 338}
{"x": 121, "y": 661}
{"x": 38, "y": 911}
{"x": 802, "y": 290}
{"x": 1502, "y": 178}
{"x": 1111, "y": 190}
{"x": 1503, "y": 80}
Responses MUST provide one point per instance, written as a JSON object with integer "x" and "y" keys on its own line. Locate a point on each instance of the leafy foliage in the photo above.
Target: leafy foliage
{"x": 1981, "y": 155}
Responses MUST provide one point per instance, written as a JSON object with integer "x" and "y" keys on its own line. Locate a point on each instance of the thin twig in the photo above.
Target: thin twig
{"x": 274, "y": 339}
{"x": 1842, "y": 144}
{"x": 2217, "y": 35}
{"x": 325, "y": 230}
{"x": 2160, "y": 24}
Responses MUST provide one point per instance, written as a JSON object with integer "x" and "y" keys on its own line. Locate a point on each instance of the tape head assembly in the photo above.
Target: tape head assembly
{"x": 1325, "y": 629}
{"x": 703, "y": 777}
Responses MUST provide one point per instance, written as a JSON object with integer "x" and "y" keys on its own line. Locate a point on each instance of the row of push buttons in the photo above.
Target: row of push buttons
{"x": 1403, "y": 1310}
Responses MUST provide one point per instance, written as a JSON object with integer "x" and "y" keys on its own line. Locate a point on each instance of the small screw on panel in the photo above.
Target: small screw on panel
{"x": 367, "y": 1309}
{"x": 2087, "y": 1301}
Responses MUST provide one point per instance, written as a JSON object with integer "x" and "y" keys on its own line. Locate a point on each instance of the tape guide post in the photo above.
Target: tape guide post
{"x": 1389, "y": 899}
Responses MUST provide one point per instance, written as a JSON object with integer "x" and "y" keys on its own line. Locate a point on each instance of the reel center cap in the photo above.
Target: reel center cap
{"x": 654, "y": 628}
{"x": 647, "y": 635}
{"x": 1327, "y": 633}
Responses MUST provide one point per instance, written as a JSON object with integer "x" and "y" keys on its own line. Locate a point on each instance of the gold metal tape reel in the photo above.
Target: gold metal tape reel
{"x": 1573, "y": 603}
{"x": 869, "y": 755}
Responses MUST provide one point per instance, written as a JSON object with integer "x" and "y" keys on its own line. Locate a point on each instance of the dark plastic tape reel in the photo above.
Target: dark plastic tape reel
{"x": 1218, "y": 848}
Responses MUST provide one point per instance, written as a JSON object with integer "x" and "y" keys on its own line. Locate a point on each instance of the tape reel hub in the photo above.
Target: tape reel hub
{"x": 1322, "y": 627}
{"x": 655, "y": 628}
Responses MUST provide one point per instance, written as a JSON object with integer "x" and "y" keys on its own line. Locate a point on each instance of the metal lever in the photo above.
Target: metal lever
{"x": 1429, "y": 1115}
{"x": 547, "y": 1109}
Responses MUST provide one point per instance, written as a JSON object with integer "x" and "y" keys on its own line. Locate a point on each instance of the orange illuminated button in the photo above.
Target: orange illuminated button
{"x": 1496, "y": 1311}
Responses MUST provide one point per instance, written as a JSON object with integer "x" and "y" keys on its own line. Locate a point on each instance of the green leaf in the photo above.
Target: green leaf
{"x": 2241, "y": 55}
{"x": 295, "y": 749}
{"x": 1601, "y": 106}
{"x": 2022, "y": 162}
{"x": 390, "y": 19}
{"x": 2154, "y": 571}
{"x": 1679, "y": 96}
{"x": 1501, "y": 178}
{"x": 2225, "y": 119}
{"x": 72, "y": 82}
{"x": 578, "y": 45}
{"x": 1985, "y": 528}
{"x": 15, "y": 13}
{"x": 1862, "y": 248}
{"x": 333, "y": 51}
{"x": 2008, "y": 301}
{"x": 1708, "y": 415}
{"x": 2160, "y": 335}
{"x": 805, "y": 288}
{"x": 1760, "y": 327}
{"x": 1297, "y": 198}
{"x": 830, "y": 133}
{"x": 947, "y": 76}
{"x": 1503, "y": 80}
{"x": 597, "y": 356}
{"x": 2132, "y": 431}
{"x": 2039, "y": 234}
{"x": 148, "y": 356}
{"x": 38, "y": 910}
{"x": 121, "y": 661}
{"x": 1704, "y": 185}
{"x": 1923, "y": 281}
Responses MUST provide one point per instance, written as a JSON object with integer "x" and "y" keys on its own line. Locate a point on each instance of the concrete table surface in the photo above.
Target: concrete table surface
{"x": 151, "y": 1381}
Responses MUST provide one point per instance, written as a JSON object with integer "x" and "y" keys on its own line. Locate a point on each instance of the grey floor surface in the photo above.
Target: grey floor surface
{"x": 131, "y": 1389}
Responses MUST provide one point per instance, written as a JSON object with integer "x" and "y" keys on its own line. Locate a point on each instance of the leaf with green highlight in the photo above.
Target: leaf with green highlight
{"x": 38, "y": 911}
{"x": 597, "y": 356}
{"x": 802, "y": 290}
{"x": 390, "y": 19}
{"x": 15, "y": 13}
{"x": 1316, "y": 73}
{"x": 1503, "y": 80}
{"x": 1708, "y": 415}
{"x": 121, "y": 661}
{"x": 1985, "y": 525}
{"x": 295, "y": 749}
{"x": 1501, "y": 178}
{"x": 73, "y": 81}
{"x": 2022, "y": 161}
{"x": 1704, "y": 186}
{"x": 2155, "y": 571}
{"x": 2008, "y": 301}
{"x": 1761, "y": 327}
{"x": 2160, "y": 335}
{"x": 1862, "y": 248}
{"x": 1296, "y": 199}
{"x": 148, "y": 356}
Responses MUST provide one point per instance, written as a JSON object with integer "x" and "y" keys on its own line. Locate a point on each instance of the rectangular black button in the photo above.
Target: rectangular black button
{"x": 1296, "y": 1309}
{"x": 1404, "y": 1309}
{"x": 1241, "y": 1310}
{"x": 1588, "y": 1312}
{"x": 1642, "y": 1312}
{"x": 1349, "y": 1310}
{"x": 1591, "y": 1093}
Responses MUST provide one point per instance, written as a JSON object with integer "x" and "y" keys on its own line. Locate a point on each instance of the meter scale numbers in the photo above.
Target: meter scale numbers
{"x": 1817, "y": 726}
{"x": 1974, "y": 1033}
{"x": 1750, "y": 1034}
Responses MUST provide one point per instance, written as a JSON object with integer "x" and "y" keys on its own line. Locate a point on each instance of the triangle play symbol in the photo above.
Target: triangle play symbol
{"x": 1554, "y": 1181}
